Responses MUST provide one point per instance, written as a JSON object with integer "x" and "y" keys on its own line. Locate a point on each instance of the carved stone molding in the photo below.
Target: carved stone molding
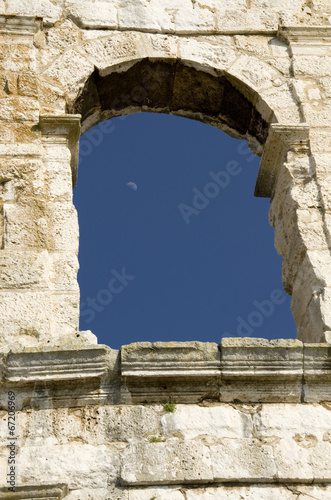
{"x": 63, "y": 126}
{"x": 281, "y": 139}
{"x": 25, "y": 367}
{"x": 187, "y": 371}
{"x": 307, "y": 39}
{"x": 239, "y": 370}
{"x": 20, "y": 25}
{"x": 40, "y": 492}
{"x": 170, "y": 359}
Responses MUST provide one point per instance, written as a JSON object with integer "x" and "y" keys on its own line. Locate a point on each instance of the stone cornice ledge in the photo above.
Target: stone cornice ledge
{"x": 58, "y": 365}
{"x": 43, "y": 491}
{"x": 306, "y": 35}
{"x": 20, "y": 25}
{"x": 186, "y": 372}
{"x": 281, "y": 139}
{"x": 170, "y": 359}
{"x": 67, "y": 126}
{"x": 239, "y": 370}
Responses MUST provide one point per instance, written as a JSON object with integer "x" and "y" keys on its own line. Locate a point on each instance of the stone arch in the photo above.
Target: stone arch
{"x": 73, "y": 69}
{"x": 236, "y": 88}
{"x": 261, "y": 81}
{"x": 174, "y": 88}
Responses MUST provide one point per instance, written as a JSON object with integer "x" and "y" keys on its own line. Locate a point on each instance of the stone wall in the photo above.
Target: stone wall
{"x": 247, "y": 419}
{"x": 256, "y": 70}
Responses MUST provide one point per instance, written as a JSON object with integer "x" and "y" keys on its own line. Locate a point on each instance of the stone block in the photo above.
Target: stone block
{"x": 214, "y": 423}
{"x": 65, "y": 314}
{"x": 56, "y": 149}
{"x": 22, "y": 181}
{"x": 311, "y": 66}
{"x": 26, "y": 227}
{"x": 232, "y": 492}
{"x": 255, "y": 370}
{"x": 64, "y": 223}
{"x": 58, "y": 177}
{"x": 318, "y": 115}
{"x": 276, "y": 422}
{"x": 27, "y": 85}
{"x": 46, "y": 491}
{"x": 312, "y": 278}
{"x": 19, "y": 109}
{"x": 99, "y": 493}
{"x": 64, "y": 272}
{"x": 320, "y": 140}
{"x": 51, "y": 98}
{"x": 17, "y": 56}
{"x": 48, "y": 10}
{"x": 45, "y": 225}
{"x": 309, "y": 459}
{"x": 25, "y": 270}
{"x": 145, "y": 359}
{"x": 298, "y": 467}
{"x": 260, "y": 46}
{"x": 79, "y": 466}
{"x": 160, "y": 493}
{"x": 317, "y": 372}
{"x": 70, "y": 70}
{"x": 166, "y": 463}
{"x": 27, "y": 150}
{"x": 281, "y": 100}
{"x": 316, "y": 320}
{"x": 23, "y": 132}
{"x": 242, "y": 460}
{"x": 157, "y": 46}
{"x": 110, "y": 51}
{"x": 129, "y": 423}
{"x": 151, "y": 17}
{"x": 95, "y": 15}
{"x": 61, "y": 36}
{"x": 210, "y": 57}
{"x": 188, "y": 20}
{"x": 157, "y": 372}
{"x": 26, "y": 314}
{"x": 255, "y": 73}
{"x": 249, "y": 492}
{"x": 58, "y": 365}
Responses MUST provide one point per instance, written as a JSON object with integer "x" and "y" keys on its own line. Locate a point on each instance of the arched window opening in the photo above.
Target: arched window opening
{"x": 173, "y": 244}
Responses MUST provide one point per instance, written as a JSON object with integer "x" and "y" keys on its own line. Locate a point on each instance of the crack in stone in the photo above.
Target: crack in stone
{"x": 299, "y": 493}
{"x": 206, "y": 7}
{"x": 172, "y": 14}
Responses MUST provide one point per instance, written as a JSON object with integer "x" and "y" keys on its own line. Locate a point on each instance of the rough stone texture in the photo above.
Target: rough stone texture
{"x": 248, "y": 419}
{"x": 77, "y": 435}
{"x": 257, "y": 70}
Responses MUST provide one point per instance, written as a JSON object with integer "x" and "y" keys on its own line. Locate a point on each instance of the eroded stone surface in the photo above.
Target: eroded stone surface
{"x": 240, "y": 67}
{"x": 249, "y": 419}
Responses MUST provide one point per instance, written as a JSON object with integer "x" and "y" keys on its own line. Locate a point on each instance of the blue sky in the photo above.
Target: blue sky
{"x": 189, "y": 254}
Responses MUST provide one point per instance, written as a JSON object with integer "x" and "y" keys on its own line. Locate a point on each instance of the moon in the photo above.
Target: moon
{"x": 132, "y": 185}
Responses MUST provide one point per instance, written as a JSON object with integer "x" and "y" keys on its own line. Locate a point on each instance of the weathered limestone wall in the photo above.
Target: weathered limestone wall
{"x": 249, "y": 419}
{"x": 257, "y": 70}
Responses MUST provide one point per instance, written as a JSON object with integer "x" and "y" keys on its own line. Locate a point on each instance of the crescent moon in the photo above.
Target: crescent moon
{"x": 132, "y": 185}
